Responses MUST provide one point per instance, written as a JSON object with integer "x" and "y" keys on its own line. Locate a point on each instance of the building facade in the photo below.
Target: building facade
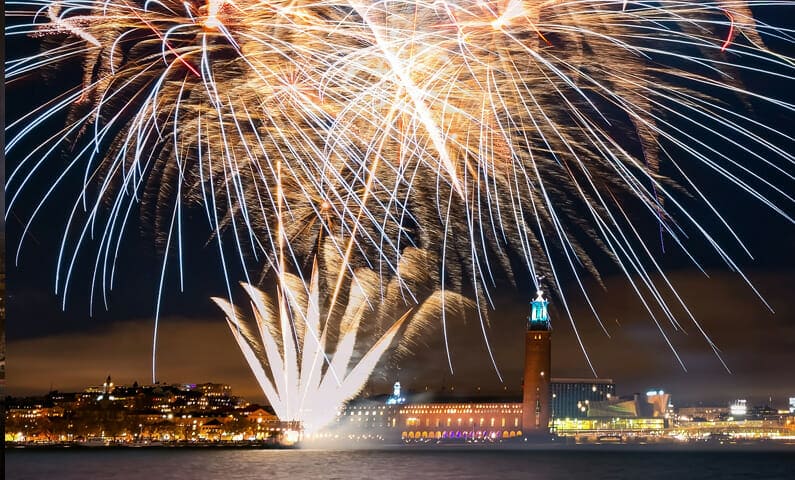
{"x": 460, "y": 421}
{"x": 571, "y": 397}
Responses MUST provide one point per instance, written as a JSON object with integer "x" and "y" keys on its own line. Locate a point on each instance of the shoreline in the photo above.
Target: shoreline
{"x": 444, "y": 447}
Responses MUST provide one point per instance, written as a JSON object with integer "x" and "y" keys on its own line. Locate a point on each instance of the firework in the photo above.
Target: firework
{"x": 287, "y": 344}
{"x": 478, "y": 131}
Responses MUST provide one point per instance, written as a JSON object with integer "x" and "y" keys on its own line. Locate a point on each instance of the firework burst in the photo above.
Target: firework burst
{"x": 479, "y": 131}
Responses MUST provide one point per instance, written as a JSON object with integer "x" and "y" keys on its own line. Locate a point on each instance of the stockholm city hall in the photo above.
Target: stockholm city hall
{"x": 479, "y": 419}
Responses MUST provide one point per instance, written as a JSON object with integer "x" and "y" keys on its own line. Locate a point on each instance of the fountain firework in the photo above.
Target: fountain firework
{"x": 287, "y": 343}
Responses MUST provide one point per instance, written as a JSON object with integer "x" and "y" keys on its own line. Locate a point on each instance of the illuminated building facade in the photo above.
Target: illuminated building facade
{"x": 618, "y": 418}
{"x": 653, "y": 404}
{"x": 536, "y": 394}
{"x": 702, "y": 413}
{"x": 368, "y": 415}
{"x": 460, "y": 421}
{"x": 571, "y": 397}
{"x": 660, "y": 403}
{"x": 739, "y": 408}
{"x": 366, "y": 419}
{"x": 585, "y": 426}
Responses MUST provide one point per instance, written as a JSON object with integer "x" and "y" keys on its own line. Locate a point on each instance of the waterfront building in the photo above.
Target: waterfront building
{"x": 608, "y": 426}
{"x": 702, "y": 413}
{"x": 660, "y": 404}
{"x": 571, "y": 396}
{"x": 761, "y": 412}
{"x": 651, "y": 405}
{"x": 366, "y": 419}
{"x": 462, "y": 421}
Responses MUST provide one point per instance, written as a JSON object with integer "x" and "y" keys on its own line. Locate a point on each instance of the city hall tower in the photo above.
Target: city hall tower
{"x": 537, "y": 361}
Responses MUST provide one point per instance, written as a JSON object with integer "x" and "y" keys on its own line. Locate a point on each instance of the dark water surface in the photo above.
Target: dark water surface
{"x": 586, "y": 464}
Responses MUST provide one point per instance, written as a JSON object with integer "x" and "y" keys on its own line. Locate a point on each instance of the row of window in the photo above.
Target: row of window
{"x": 415, "y": 422}
{"x": 465, "y": 405}
{"x": 501, "y": 409}
{"x": 411, "y": 435}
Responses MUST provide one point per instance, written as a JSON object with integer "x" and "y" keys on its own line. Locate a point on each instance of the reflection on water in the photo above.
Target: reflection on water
{"x": 454, "y": 463}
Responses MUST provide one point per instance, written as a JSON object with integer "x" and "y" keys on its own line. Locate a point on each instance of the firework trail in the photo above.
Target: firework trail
{"x": 478, "y": 131}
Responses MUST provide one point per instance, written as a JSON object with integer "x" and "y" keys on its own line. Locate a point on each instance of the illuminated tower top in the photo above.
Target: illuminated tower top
{"x": 539, "y": 315}
{"x": 395, "y": 398}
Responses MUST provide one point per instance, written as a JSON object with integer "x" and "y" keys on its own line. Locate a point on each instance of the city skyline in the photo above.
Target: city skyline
{"x": 123, "y": 348}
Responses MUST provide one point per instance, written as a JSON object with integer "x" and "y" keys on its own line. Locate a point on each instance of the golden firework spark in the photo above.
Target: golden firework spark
{"x": 478, "y": 130}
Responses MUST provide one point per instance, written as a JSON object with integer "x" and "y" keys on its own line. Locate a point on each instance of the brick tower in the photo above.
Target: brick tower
{"x": 537, "y": 361}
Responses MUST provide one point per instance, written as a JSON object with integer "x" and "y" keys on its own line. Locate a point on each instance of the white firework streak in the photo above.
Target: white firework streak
{"x": 302, "y": 380}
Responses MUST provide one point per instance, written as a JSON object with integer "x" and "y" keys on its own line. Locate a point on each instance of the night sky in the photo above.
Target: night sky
{"x": 67, "y": 350}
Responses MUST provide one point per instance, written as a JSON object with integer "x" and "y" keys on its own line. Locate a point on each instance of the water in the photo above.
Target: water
{"x": 456, "y": 463}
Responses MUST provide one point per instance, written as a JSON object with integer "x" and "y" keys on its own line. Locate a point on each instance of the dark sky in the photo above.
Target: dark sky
{"x": 68, "y": 349}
